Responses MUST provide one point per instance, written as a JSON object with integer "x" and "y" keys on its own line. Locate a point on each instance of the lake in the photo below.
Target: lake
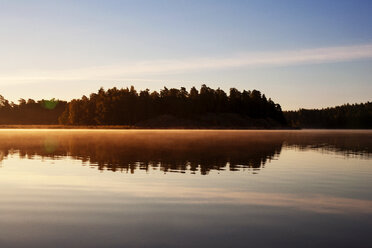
{"x": 185, "y": 188}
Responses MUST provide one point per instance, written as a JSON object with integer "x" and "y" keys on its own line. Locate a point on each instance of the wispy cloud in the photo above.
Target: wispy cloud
{"x": 142, "y": 71}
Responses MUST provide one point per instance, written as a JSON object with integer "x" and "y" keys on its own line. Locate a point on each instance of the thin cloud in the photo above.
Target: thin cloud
{"x": 142, "y": 71}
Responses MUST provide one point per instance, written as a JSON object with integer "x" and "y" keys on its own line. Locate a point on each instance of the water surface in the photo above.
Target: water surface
{"x": 183, "y": 188}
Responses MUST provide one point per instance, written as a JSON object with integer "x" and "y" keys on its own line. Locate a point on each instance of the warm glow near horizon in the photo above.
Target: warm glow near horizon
{"x": 318, "y": 55}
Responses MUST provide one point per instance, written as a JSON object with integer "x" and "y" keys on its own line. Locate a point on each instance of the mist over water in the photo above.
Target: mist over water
{"x": 177, "y": 150}
{"x": 183, "y": 188}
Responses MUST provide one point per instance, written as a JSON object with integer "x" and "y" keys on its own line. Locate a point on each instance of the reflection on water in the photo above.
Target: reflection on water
{"x": 178, "y": 151}
{"x": 303, "y": 189}
{"x": 344, "y": 142}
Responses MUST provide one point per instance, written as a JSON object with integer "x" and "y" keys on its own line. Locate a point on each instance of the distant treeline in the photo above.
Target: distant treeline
{"x": 30, "y": 111}
{"x": 180, "y": 108}
{"x": 127, "y": 106}
{"x": 346, "y": 116}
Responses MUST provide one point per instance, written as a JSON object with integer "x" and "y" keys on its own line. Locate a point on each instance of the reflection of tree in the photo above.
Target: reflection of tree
{"x": 347, "y": 143}
{"x": 168, "y": 151}
{"x": 177, "y": 151}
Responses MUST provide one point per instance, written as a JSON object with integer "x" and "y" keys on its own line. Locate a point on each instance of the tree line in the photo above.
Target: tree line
{"x": 127, "y": 106}
{"x": 358, "y": 116}
{"x": 31, "y": 111}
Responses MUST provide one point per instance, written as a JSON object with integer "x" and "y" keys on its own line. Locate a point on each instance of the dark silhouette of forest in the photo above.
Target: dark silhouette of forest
{"x": 358, "y": 116}
{"x": 31, "y": 111}
{"x": 172, "y": 107}
{"x": 168, "y": 108}
{"x": 179, "y": 108}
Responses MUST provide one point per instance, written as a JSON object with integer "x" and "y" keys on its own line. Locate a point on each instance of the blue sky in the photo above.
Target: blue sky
{"x": 303, "y": 54}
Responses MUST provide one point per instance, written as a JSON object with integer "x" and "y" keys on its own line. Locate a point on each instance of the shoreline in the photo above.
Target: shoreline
{"x": 125, "y": 127}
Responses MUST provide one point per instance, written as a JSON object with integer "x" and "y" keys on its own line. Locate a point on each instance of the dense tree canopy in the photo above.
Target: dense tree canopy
{"x": 30, "y": 111}
{"x": 345, "y": 116}
{"x": 126, "y": 106}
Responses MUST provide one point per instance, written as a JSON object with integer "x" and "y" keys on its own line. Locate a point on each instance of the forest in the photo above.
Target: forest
{"x": 31, "y": 112}
{"x": 196, "y": 108}
{"x": 168, "y": 107}
{"x": 171, "y": 107}
{"x": 348, "y": 116}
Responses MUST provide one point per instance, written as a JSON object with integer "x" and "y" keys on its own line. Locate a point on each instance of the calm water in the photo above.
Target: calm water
{"x": 109, "y": 188}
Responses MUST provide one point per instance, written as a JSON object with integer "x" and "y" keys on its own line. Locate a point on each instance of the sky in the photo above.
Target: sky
{"x": 302, "y": 54}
